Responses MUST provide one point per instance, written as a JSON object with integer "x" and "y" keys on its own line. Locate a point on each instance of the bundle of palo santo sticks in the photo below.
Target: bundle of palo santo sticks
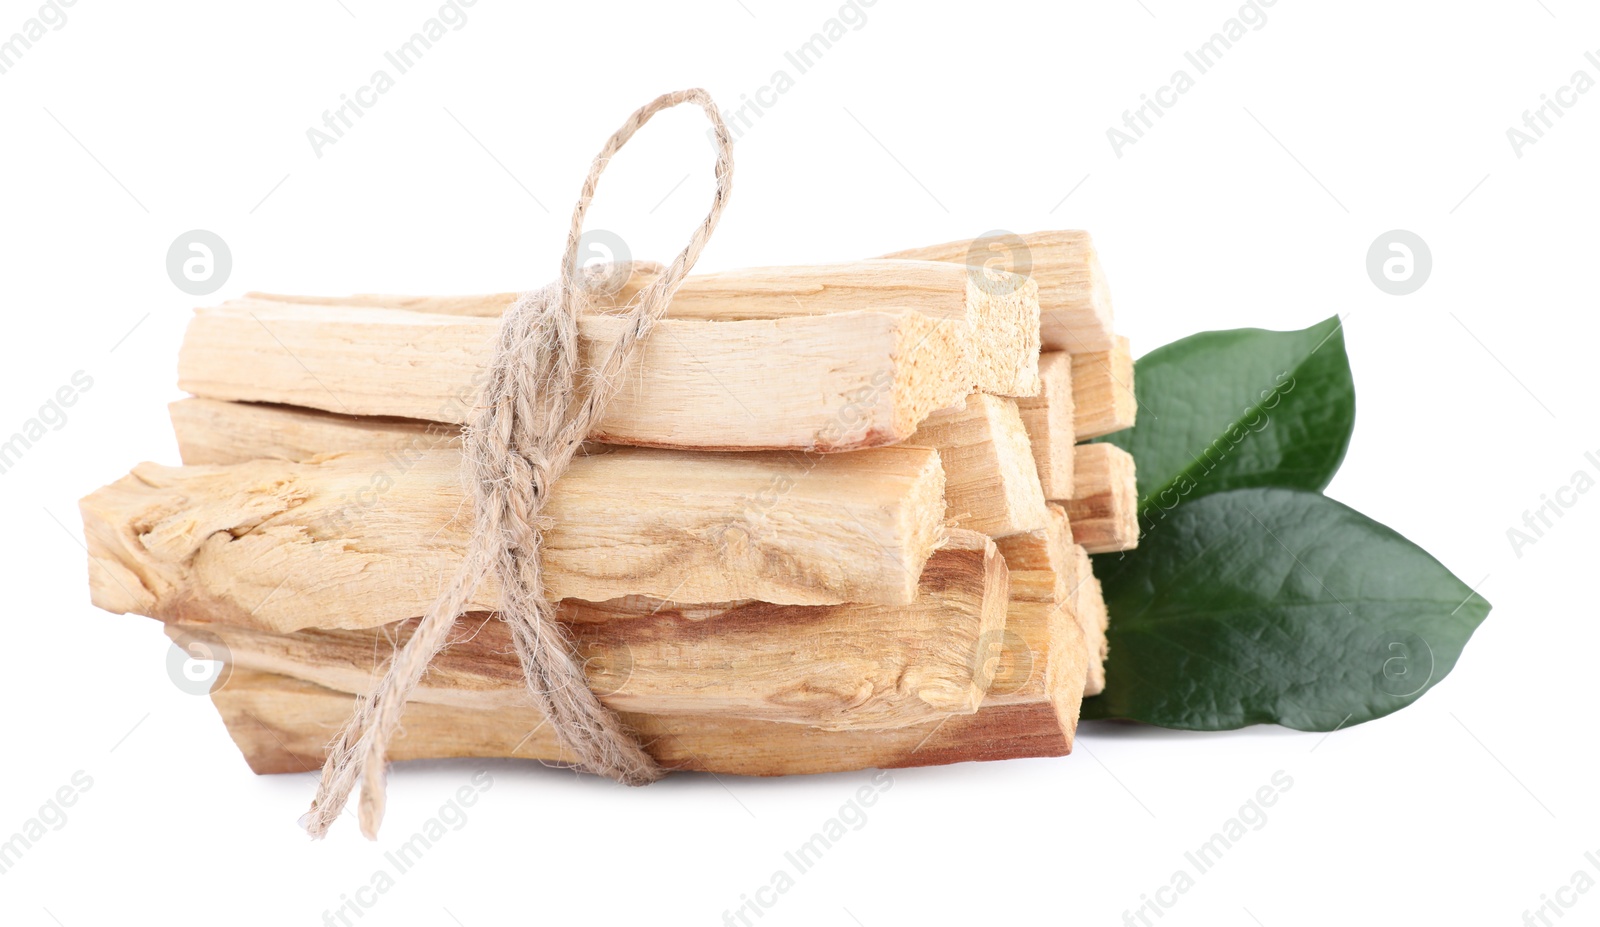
{"x": 838, "y": 516}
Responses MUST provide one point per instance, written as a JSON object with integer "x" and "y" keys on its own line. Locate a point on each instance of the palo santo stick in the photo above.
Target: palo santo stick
{"x": 1049, "y": 419}
{"x": 837, "y": 667}
{"x": 363, "y": 539}
{"x": 284, "y": 724}
{"x": 1000, "y": 311}
{"x": 1102, "y": 391}
{"x": 1046, "y": 566}
{"x": 1074, "y": 302}
{"x": 827, "y": 383}
{"x": 1104, "y": 506}
{"x": 1040, "y": 563}
{"x": 991, "y": 483}
{"x": 211, "y": 431}
{"x": 1089, "y": 602}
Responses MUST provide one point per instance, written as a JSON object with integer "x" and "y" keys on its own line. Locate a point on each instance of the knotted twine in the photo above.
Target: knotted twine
{"x": 535, "y": 410}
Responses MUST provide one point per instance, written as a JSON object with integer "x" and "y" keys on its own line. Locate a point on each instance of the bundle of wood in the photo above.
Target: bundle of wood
{"x": 838, "y": 516}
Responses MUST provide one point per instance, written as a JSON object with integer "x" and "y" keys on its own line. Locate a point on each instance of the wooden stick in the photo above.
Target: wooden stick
{"x": 1049, "y": 419}
{"x": 828, "y": 383}
{"x": 838, "y": 667}
{"x": 283, "y": 724}
{"x": 1000, "y": 311}
{"x": 1074, "y": 302}
{"x": 786, "y": 353}
{"x": 991, "y": 484}
{"x": 1040, "y": 562}
{"x": 1104, "y": 507}
{"x": 1046, "y": 566}
{"x": 211, "y": 432}
{"x": 364, "y": 539}
{"x": 1089, "y": 603}
{"x": 1102, "y": 391}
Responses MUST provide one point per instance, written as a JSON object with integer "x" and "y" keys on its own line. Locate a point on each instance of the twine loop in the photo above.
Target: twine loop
{"x": 536, "y": 408}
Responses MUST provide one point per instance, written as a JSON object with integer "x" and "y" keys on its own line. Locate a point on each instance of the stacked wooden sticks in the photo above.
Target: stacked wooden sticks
{"x": 839, "y": 516}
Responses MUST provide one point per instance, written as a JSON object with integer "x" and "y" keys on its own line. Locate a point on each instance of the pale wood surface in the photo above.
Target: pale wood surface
{"x": 991, "y": 483}
{"x": 213, "y": 431}
{"x": 1000, "y": 310}
{"x": 1089, "y": 602}
{"x": 1104, "y": 506}
{"x": 1047, "y": 566}
{"x": 735, "y": 705}
{"x": 224, "y": 432}
{"x": 283, "y": 724}
{"x": 1052, "y": 429}
{"x": 988, "y": 487}
{"x": 1003, "y": 310}
{"x": 1102, "y": 390}
{"x": 1039, "y": 561}
{"x": 837, "y": 667}
{"x": 823, "y": 382}
{"x": 1074, "y": 301}
{"x": 364, "y": 539}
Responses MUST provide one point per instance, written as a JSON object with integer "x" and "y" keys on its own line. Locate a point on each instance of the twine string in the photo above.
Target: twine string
{"x": 537, "y": 406}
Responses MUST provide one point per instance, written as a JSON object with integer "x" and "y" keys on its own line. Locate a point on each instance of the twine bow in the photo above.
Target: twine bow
{"x": 533, "y": 414}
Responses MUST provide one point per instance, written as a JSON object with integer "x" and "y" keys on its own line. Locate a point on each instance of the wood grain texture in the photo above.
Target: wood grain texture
{"x": 991, "y": 483}
{"x": 364, "y": 539}
{"x": 1000, "y": 311}
{"x": 801, "y": 316}
{"x": 823, "y": 382}
{"x": 213, "y": 431}
{"x": 1104, "y": 507}
{"x": 1039, "y": 562}
{"x": 838, "y": 667}
{"x": 283, "y": 724}
{"x": 1047, "y": 566}
{"x": 1102, "y": 391}
{"x": 1052, "y": 429}
{"x": 1089, "y": 603}
{"x": 1074, "y": 302}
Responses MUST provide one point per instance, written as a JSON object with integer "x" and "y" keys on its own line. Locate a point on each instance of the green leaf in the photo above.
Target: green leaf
{"x": 1276, "y": 605}
{"x": 1234, "y": 409}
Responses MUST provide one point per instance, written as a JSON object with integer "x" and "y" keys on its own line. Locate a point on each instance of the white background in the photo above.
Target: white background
{"x": 1251, "y": 203}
